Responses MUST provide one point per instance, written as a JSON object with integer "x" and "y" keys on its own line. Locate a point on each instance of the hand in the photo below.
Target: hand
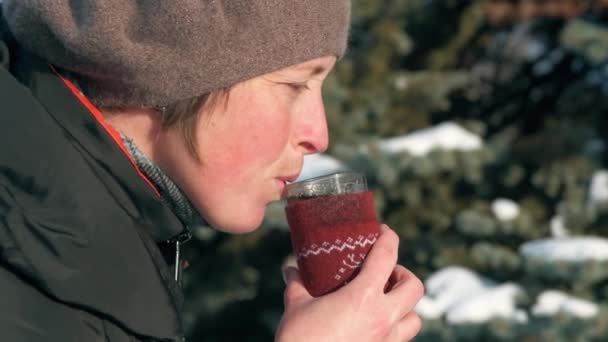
{"x": 361, "y": 310}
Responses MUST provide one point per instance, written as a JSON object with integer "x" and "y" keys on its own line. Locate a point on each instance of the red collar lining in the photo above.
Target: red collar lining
{"x": 114, "y": 134}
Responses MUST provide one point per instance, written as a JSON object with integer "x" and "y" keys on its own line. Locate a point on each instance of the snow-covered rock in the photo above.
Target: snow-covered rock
{"x": 505, "y": 209}
{"x": 574, "y": 249}
{"x": 553, "y": 302}
{"x": 446, "y": 136}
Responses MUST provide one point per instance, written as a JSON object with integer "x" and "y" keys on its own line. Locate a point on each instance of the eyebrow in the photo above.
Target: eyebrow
{"x": 317, "y": 70}
{"x": 314, "y": 69}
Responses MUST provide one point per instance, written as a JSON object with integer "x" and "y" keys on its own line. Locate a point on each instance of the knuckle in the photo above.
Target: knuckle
{"x": 387, "y": 250}
{"x": 416, "y": 323}
{"x": 417, "y": 287}
{"x": 392, "y": 236}
{"x": 401, "y": 269}
{"x": 386, "y": 255}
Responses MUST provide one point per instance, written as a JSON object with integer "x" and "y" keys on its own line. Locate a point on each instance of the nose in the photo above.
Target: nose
{"x": 311, "y": 128}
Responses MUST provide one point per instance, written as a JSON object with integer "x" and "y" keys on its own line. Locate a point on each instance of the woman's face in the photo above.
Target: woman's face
{"x": 251, "y": 145}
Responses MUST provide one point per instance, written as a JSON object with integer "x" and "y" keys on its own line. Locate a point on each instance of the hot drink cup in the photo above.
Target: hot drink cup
{"x": 333, "y": 225}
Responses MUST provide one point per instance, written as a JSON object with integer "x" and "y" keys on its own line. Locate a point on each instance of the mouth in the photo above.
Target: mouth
{"x": 289, "y": 178}
{"x": 284, "y": 181}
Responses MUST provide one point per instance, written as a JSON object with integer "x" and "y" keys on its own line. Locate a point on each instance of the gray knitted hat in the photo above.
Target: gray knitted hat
{"x": 154, "y": 52}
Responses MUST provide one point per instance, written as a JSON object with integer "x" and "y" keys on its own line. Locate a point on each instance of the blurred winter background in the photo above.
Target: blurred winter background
{"x": 481, "y": 125}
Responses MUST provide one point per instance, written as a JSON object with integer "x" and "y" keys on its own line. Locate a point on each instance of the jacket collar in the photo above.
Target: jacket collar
{"x": 86, "y": 125}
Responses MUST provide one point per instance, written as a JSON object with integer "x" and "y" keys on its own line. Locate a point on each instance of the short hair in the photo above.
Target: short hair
{"x": 183, "y": 115}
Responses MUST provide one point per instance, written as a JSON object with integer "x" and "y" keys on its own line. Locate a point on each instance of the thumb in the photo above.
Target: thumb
{"x": 295, "y": 292}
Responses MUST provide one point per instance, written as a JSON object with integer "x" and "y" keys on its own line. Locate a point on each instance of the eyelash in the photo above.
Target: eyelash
{"x": 298, "y": 86}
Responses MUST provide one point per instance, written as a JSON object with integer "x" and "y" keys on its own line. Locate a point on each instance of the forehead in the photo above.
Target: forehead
{"x": 312, "y": 67}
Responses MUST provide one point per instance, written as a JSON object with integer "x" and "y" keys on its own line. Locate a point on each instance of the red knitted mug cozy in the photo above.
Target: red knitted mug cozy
{"x": 331, "y": 236}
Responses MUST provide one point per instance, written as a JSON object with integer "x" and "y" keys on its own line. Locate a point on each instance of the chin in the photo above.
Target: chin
{"x": 239, "y": 225}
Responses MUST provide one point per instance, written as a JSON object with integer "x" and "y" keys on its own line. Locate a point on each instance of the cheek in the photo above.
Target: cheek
{"x": 245, "y": 142}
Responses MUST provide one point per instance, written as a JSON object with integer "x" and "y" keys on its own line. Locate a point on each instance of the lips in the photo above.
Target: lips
{"x": 290, "y": 178}
{"x": 286, "y": 180}
{"x": 292, "y": 173}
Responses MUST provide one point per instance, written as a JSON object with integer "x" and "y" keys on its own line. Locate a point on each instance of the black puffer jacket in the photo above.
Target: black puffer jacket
{"x": 79, "y": 225}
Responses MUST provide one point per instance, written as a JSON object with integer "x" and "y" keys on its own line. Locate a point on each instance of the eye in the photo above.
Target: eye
{"x": 298, "y": 86}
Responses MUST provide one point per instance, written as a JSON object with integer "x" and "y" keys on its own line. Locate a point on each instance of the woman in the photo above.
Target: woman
{"x": 124, "y": 122}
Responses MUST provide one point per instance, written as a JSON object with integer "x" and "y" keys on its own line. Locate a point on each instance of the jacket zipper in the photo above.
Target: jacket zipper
{"x": 178, "y": 241}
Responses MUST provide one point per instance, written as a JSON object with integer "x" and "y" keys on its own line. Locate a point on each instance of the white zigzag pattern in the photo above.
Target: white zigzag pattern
{"x": 335, "y": 247}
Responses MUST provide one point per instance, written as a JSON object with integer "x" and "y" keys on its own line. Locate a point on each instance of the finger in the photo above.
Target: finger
{"x": 407, "y": 291}
{"x": 395, "y": 278}
{"x": 295, "y": 293}
{"x": 380, "y": 261}
{"x": 408, "y": 327}
{"x": 399, "y": 275}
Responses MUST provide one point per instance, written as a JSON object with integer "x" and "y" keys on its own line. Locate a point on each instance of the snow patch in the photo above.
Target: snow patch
{"x": 320, "y": 164}
{"x": 446, "y": 136}
{"x": 576, "y": 249}
{"x": 505, "y": 209}
{"x": 463, "y": 296}
{"x": 446, "y": 287}
{"x": 598, "y": 188}
{"x": 497, "y": 302}
{"x": 554, "y": 302}
{"x": 558, "y": 227}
